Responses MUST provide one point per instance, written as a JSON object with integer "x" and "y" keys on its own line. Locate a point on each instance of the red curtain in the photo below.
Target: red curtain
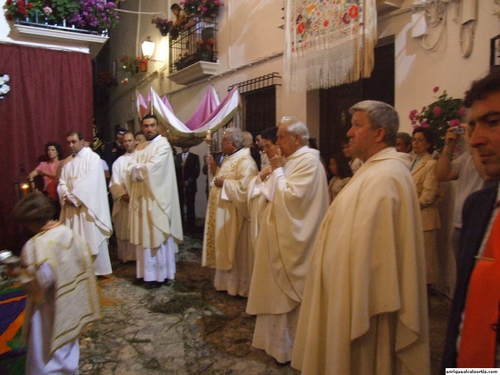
{"x": 50, "y": 94}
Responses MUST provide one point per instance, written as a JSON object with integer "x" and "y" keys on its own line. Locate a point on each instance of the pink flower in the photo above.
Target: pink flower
{"x": 413, "y": 115}
{"x": 437, "y": 111}
{"x": 435, "y": 89}
{"x": 425, "y": 125}
{"x": 461, "y": 111}
{"x": 455, "y": 122}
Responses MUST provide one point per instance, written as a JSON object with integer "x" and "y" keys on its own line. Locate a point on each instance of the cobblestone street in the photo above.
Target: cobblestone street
{"x": 184, "y": 327}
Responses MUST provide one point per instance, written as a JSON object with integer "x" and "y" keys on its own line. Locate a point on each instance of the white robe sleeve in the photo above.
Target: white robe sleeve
{"x": 269, "y": 187}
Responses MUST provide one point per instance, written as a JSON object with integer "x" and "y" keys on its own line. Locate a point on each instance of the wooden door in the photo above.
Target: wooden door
{"x": 335, "y": 102}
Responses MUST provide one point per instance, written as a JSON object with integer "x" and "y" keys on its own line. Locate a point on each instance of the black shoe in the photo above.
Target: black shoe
{"x": 138, "y": 281}
{"x": 152, "y": 284}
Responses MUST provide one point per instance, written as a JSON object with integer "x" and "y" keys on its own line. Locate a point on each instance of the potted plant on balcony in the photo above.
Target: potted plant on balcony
{"x": 96, "y": 15}
{"x": 184, "y": 61}
{"x": 205, "y": 49}
{"x": 203, "y": 8}
{"x": 163, "y": 25}
{"x": 53, "y": 13}
{"x": 133, "y": 66}
{"x": 91, "y": 15}
{"x": 210, "y": 8}
{"x": 22, "y": 10}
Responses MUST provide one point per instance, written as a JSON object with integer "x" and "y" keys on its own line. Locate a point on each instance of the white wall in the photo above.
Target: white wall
{"x": 418, "y": 70}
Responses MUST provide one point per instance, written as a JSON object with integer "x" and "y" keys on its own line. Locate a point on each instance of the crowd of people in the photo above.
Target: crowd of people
{"x": 336, "y": 272}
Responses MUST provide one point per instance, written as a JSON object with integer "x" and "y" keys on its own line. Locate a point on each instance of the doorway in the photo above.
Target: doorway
{"x": 335, "y": 102}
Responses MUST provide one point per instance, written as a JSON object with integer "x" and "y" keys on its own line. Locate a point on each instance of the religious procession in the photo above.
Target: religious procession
{"x": 304, "y": 224}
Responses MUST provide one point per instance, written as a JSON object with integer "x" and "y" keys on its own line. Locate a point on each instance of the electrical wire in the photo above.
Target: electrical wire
{"x": 141, "y": 13}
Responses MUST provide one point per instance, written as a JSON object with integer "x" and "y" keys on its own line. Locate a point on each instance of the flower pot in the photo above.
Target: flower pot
{"x": 212, "y": 12}
{"x": 143, "y": 66}
{"x": 205, "y": 55}
{"x": 174, "y": 33}
{"x": 207, "y": 33}
{"x": 193, "y": 10}
{"x": 164, "y": 29}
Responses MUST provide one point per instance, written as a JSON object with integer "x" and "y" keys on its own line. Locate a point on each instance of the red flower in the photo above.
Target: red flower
{"x": 30, "y": 6}
{"x": 435, "y": 89}
{"x": 326, "y": 23}
{"x": 301, "y": 28}
{"x": 353, "y": 11}
{"x": 9, "y": 2}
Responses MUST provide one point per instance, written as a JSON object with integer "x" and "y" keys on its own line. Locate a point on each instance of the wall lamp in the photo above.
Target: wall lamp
{"x": 148, "y": 48}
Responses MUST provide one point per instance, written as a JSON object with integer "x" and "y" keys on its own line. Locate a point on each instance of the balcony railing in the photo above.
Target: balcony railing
{"x": 37, "y": 27}
{"x": 197, "y": 41}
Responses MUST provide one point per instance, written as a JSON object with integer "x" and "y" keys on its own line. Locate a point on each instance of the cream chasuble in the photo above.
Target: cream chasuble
{"x": 227, "y": 223}
{"x": 227, "y": 215}
{"x": 154, "y": 212}
{"x": 118, "y": 187}
{"x": 365, "y": 300}
{"x": 287, "y": 231}
{"x": 82, "y": 181}
{"x": 289, "y": 207}
{"x": 76, "y": 300}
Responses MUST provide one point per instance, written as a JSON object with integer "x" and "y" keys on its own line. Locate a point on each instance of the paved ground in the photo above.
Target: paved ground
{"x": 186, "y": 327}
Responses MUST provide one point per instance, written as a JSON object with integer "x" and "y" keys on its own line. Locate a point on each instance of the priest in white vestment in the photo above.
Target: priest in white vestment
{"x": 119, "y": 189}
{"x": 58, "y": 277}
{"x": 84, "y": 201}
{"x": 227, "y": 244}
{"x": 365, "y": 301}
{"x": 154, "y": 212}
{"x": 296, "y": 193}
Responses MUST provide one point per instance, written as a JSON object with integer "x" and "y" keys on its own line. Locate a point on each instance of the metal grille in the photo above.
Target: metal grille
{"x": 196, "y": 42}
{"x": 257, "y": 83}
